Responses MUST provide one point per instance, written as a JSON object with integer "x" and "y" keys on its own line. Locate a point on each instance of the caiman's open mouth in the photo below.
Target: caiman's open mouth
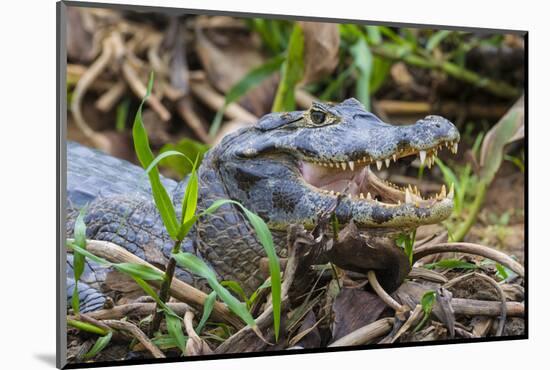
{"x": 358, "y": 182}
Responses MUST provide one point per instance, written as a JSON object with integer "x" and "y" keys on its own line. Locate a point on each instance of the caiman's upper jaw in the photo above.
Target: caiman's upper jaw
{"x": 355, "y": 181}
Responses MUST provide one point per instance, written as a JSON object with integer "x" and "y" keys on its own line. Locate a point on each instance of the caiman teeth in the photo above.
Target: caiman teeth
{"x": 379, "y": 164}
{"x": 351, "y": 165}
{"x": 387, "y": 163}
{"x": 408, "y": 197}
{"x": 343, "y": 164}
{"x": 454, "y": 149}
{"x": 422, "y": 155}
{"x": 443, "y": 193}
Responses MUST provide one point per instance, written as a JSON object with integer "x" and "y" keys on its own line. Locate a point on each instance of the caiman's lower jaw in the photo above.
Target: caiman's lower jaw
{"x": 370, "y": 194}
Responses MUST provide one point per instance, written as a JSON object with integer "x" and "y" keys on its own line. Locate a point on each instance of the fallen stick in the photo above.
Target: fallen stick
{"x": 134, "y": 309}
{"x": 185, "y": 110}
{"x": 215, "y": 101}
{"x": 373, "y": 281}
{"x": 470, "y": 248}
{"x": 107, "y": 101}
{"x": 365, "y": 334}
{"x": 85, "y": 81}
{"x": 140, "y": 90}
{"x": 136, "y": 333}
{"x": 474, "y": 307}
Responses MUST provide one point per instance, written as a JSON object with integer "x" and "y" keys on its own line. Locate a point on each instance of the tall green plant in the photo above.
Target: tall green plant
{"x": 179, "y": 228}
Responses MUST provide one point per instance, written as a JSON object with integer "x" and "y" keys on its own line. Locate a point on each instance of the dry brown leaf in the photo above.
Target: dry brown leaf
{"x": 321, "y": 44}
{"x": 228, "y": 55}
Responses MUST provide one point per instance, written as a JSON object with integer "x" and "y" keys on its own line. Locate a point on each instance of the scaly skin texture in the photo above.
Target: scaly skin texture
{"x": 269, "y": 168}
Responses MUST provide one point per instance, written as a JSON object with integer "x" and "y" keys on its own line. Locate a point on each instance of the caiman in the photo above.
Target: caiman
{"x": 287, "y": 168}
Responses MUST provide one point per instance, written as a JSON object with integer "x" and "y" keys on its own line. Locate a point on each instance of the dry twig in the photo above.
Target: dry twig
{"x": 471, "y": 248}
{"x": 136, "y": 333}
{"x": 498, "y": 288}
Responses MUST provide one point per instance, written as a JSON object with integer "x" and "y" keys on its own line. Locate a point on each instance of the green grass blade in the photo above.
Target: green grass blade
{"x": 186, "y": 227}
{"x": 80, "y": 229}
{"x": 198, "y": 267}
{"x": 374, "y": 35}
{"x": 436, "y": 39}
{"x": 173, "y": 325}
{"x": 164, "y": 155}
{"x": 236, "y": 288}
{"x": 248, "y": 82}
{"x": 189, "y": 204}
{"x": 143, "y": 271}
{"x": 292, "y": 72}
{"x": 265, "y": 238}
{"x": 90, "y": 256}
{"x": 363, "y": 61}
{"x": 151, "y": 292}
{"x": 451, "y": 264}
{"x": 84, "y": 326}
{"x": 78, "y": 258}
{"x": 207, "y": 311}
{"x": 252, "y": 299}
{"x": 122, "y": 115}
{"x": 146, "y": 157}
{"x": 99, "y": 345}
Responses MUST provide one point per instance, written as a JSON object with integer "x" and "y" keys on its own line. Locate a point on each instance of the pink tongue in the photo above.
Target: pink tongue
{"x": 325, "y": 178}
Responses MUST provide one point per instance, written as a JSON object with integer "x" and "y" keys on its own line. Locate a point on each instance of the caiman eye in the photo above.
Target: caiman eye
{"x": 318, "y": 117}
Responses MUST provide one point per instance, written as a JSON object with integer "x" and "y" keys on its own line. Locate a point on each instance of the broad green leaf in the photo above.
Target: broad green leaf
{"x": 165, "y": 342}
{"x": 374, "y": 35}
{"x": 84, "y": 326}
{"x": 362, "y": 58}
{"x": 207, "y": 310}
{"x": 173, "y": 325}
{"x": 146, "y": 157}
{"x": 436, "y": 39}
{"x": 427, "y": 301}
{"x": 502, "y": 272}
{"x": 292, "y": 72}
{"x": 451, "y": 264}
{"x": 143, "y": 271}
{"x": 509, "y": 128}
{"x": 99, "y": 345}
{"x": 406, "y": 241}
{"x": 252, "y": 79}
{"x": 192, "y": 149}
{"x": 198, "y": 267}
{"x": 380, "y": 71}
